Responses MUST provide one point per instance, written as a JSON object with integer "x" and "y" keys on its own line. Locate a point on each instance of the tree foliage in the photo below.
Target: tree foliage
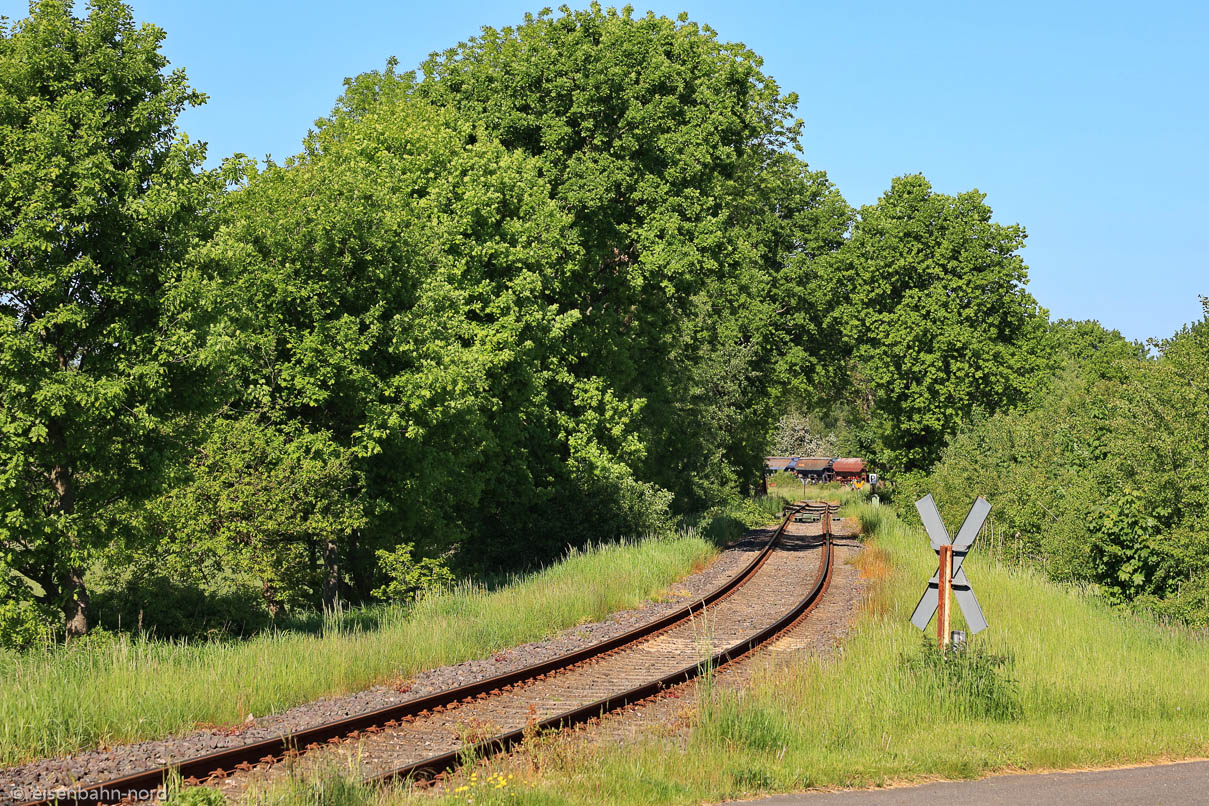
{"x": 544, "y": 272}
{"x": 1100, "y": 478}
{"x": 98, "y": 202}
{"x": 385, "y": 290}
{"x": 271, "y": 502}
{"x": 568, "y": 272}
{"x": 801, "y": 435}
{"x": 667, "y": 148}
{"x": 409, "y": 578}
{"x": 929, "y": 297}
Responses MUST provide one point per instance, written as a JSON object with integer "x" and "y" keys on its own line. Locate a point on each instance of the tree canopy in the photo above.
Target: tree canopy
{"x": 491, "y": 321}
{"x": 560, "y": 283}
{"x": 674, "y": 155}
{"x": 929, "y": 297}
{"x": 98, "y": 204}
{"x": 1099, "y": 478}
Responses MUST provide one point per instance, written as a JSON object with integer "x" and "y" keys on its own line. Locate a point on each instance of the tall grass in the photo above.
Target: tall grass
{"x": 1060, "y": 680}
{"x": 92, "y": 693}
{"x": 790, "y": 487}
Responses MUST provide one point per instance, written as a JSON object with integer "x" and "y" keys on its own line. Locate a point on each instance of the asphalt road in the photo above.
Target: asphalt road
{"x": 1183, "y": 784}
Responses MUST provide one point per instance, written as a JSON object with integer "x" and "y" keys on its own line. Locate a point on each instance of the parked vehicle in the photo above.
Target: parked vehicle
{"x": 819, "y": 469}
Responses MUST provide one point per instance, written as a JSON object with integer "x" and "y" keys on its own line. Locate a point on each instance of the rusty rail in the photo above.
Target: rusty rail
{"x": 434, "y": 765}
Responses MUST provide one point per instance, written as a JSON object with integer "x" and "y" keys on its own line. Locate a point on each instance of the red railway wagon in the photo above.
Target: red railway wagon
{"x": 775, "y": 464}
{"x": 849, "y": 470}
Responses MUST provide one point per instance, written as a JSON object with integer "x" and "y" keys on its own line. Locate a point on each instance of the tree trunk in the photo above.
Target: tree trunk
{"x": 271, "y": 599}
{"x": 75, "y": 609}
{"x": 361, "y": 567}
{"x": 75, "y": 598}
{"x": 331, "y": 580}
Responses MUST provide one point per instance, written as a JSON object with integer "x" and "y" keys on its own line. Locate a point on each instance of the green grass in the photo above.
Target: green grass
{"x": 1059, "y": 680}
{"x": 790, "y": 487}
{"x": 61, "y": 699}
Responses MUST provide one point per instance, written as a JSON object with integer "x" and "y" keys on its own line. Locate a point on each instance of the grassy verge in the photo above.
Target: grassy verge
{"x": 58, "y": 700}
{"x": 111, "y": 689}
{"x": 1058, "y": 681}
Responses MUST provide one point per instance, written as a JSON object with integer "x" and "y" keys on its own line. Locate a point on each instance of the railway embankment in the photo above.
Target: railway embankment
{"x": 148, "y": 690}
{"x": 1060, "y": 681}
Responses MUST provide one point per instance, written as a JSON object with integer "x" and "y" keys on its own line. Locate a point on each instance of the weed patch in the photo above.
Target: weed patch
{"x": 966, "y": 682}
{"x": 727, "y": 720}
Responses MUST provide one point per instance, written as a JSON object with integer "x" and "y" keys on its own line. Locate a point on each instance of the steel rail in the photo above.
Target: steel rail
{"x": 434, "y": 765}
{"x": 244, "y": 757}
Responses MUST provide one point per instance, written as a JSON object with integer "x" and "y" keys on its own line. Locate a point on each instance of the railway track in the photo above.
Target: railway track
{"x": 423, "y": 737}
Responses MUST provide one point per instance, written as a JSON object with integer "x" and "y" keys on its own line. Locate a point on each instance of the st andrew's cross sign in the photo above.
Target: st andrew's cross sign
{"x": 961, "y": 546}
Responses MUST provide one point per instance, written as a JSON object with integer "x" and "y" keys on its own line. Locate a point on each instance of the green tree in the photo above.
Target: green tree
{"x": 98, "y": 203}
{"x": 806, "y": 221}
{"x": 929, "y": 296}
{"x": 1099, "y": 477}
{"x": 277, "y": 503}
{"x": 409, "y": 579}
{"x": 1090, "y": 344}
{"x": 387, "y": 289}
{"x": 670, "y": 151}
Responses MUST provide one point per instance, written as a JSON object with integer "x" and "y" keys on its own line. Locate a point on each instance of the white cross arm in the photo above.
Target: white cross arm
{"x": 968, "y": 603}
{"x": 972, "y": 525}
{"x": 935, "y": 527}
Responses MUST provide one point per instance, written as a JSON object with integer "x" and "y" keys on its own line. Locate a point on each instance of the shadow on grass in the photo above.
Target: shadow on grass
{"x": 165, "y": 609}
{"x": 162, "y": 608}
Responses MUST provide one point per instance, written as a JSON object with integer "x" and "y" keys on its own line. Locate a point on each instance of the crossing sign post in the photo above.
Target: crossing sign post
{"x": 951, "y": 553}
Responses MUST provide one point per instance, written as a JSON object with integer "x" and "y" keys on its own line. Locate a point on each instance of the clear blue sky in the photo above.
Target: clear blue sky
{"x": 1088, "y": 123}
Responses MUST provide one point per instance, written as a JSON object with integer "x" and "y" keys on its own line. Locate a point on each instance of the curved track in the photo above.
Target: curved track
{"x": 430, "y": 734}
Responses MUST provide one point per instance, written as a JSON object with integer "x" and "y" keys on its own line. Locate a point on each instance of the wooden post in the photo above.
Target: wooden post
{"x": 946, "y": 584}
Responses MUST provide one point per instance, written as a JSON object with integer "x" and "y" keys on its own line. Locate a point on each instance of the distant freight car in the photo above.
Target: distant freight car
{"x": 815, "y": 468}
{"x": 849, "y": 470}
{"x": 775, "y": 464}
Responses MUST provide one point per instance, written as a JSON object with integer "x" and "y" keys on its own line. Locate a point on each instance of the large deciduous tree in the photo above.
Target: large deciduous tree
{"x": 98, "y": 201}
{"x": 670, "y": 151}
{"x": 386, "y": 292}
{"x": 548, "y": 271}
{"x": 929, "y": 296}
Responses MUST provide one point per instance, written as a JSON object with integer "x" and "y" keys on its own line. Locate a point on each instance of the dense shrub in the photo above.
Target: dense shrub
{"x": 22, "y": 624}
{"x": 408, "y": 578}
{"x": 1101, "y": 478}
{"x": 166, "y": 608}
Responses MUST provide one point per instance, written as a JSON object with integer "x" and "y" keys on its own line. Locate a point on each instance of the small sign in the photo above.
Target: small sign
{"x": 961, "y": 546}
